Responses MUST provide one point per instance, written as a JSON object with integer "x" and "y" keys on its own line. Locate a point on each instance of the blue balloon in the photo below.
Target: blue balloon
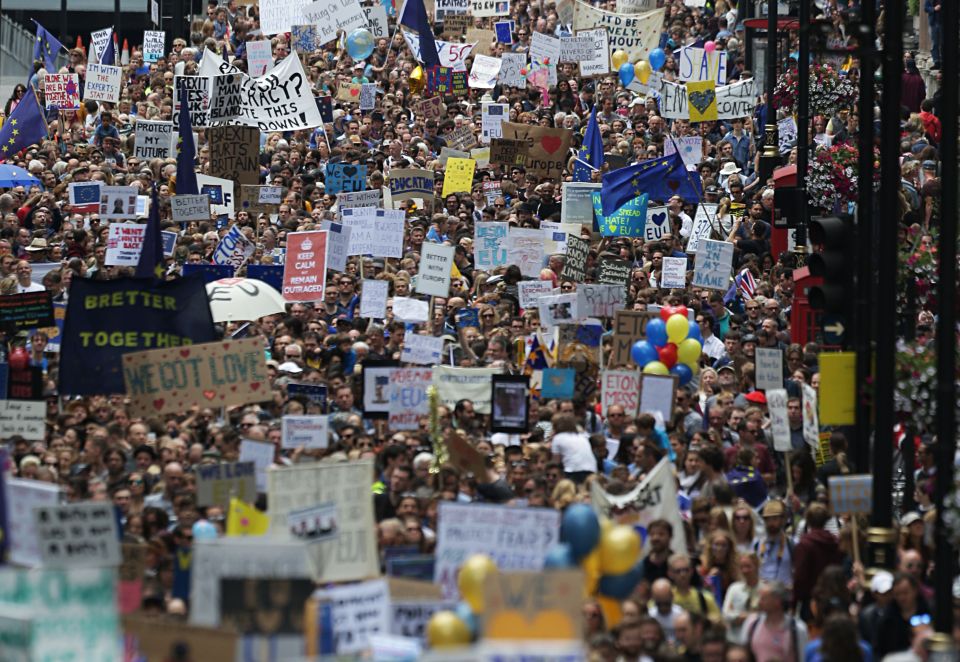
{"x": 657, "y": 59}
{"x": 621, "y": 586}
{"x": 695, "y": 332}
{"x": 360, "y": 44}
{"x": 204, "y": 530}
{"x": 643, "y": 352}
{"x": 657, "y": 332}
{"x": 683, "y": 371}
{"x": 466, "y": 615}
{"x": 559, "y": 557}
{"x": 626, "y": 73}
{"x": 580, "y": 528}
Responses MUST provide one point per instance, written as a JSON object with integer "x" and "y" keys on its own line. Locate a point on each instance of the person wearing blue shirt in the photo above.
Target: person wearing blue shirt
{"x": 742, "y": 143}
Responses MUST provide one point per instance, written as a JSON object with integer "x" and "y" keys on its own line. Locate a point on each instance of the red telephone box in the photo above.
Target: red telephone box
{"x": 804, "y": 323}
{"x": 779, "y": 233}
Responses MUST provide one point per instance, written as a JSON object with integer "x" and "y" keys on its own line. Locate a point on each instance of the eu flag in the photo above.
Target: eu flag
{"x": 186, "y": 151}
{"x": 24, "y": 127}
{"x": 109, "y": 52}
{"x": 414, "y": 15}
{"x": 151, "y": 255}
{"x": 591, "y": 153}
{"x": 661, "y": 178}
{"x": 46, "y": 48}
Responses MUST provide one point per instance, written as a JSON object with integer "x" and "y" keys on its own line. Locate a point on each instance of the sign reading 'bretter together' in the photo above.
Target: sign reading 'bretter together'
{"x": 217, "y": 374}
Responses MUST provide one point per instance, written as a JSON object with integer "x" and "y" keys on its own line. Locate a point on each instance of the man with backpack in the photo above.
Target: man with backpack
{"x": 773, "y": 633}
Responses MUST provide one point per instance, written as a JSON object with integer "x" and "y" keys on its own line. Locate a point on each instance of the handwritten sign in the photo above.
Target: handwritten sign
{"x": 345, "y": 177}
{"x": 23, "y": 418}
{"x": 511, "y": 65}
{"x": 769, "y": 368}
{"x": 377, "y": 232}
{"x": 620, "y": 387}
{"x": 62, "y": 91}
{"x": 629, "y": 326}
{"x": 78, "y": 535}
{"x": 713, "y": 264}
{"x": 102, "y": 83}
{"x": 674, "y": 273}
{"x": 124, "y": 244}
{"x": 234, "y": 153}
{"x": 596, "y": 300}
{"x": 458, "y": 176}
{"x": 153, "y": 45}
{"x": 408, "y": 396}
{"x": 490, "y": 244}
{"x": 217, "y": 374}
{"x": 422, "y": 350}
{"x": 575, "y": 267}
{"x": 657, "y": 395}
{"x": 373, "y": 298}
{"x": 154, "y": 140}
{"x": 216, "y": 483}
{"x": 306, "y": 431}
{"x": 852, "y": 495}
{"x": 525, "y": 249}
{"x": 779, "y": 421}
{"x": 407, "y": 183}
{"x": 519, "y": 605}
{"x": 22, "y": 497}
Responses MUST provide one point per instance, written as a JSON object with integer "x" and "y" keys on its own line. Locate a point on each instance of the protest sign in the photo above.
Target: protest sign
{"x": 422, "y": 350}
{"x": 657, "y": 394}
{"x": 358, "y": 199}
{"x": 511, "y": 64}
{"x": 234, "y": 153}
{"x": 22, "y": 496}
{"x": 408, "y": 183}
{"x": 102, "y": 83}
{"x": 331, "y": 17}
{"x": 436, "y": 261}
{"x": 356, "y": 613}
{"x": 220, "y": 374}
{"x": 636, "y": 34}
{"x": 84, "y": 197}
{"x": 338, "y": 245}
{"x": 304, "y": 38}
{"x": 28, "y": 310}
{"x": 628, "y": 221}
{"x": 510, "y": 403}
{"x": 515, "y": 601}
{"x": 558, "y": 383}
{"x": 305, "y": 271}
{"x": 811, "y": 422}
{"x": 376, "y": 232}
{"x": 214, "y": 560}
{"x": 407, "y": 309}
{"x": 222, "y": 201}
{"x": 531, "y": 291}
{"x": 307, "y": 431}
{"x": 368, "y": 96}
{"x": 195, "y": 92}
{"x": 118, "y": 202}
{"x": 217, "y": 483}
{"x": 260, "y": 453}
{"x": 674, "y": 273}
{"x": 786, "y": 134}
{"x": 703, "y": 223}
{"x": 190, "y": 207}
{"x": 234, "y": 248}
{"x": 314, "y": 523}
{"x": 124, "y": 243}
{"x": 458, "y": 176}
{"x": 487, "y": 8}
{"x": 151, "y": 638}
{"x": 461, "y": 138}
{"x": 451, "y": 54}
{"x": 504, "y": 30}
{"x": 525, "y": 249}
{"x": 699, "y": 65}
{"x": 277, "y": 16}
{"x": 769, "y": 368}
{"x": 153, "y": 45}
{"x": 702, "y": 101}
{"x": 484, "y": 73}
{"x": 629, "y": 326}
{"x": 657, "y": 224}
{"x": 446, "y": 9}
{"x": 508, "y": 152}
{"x": 447, "y": 153}
{"x": 345, "y": 177}
{"x": 352, "y": 554}
{"x": 226, "y": 97}
{"x": 713, "y": 264}
{"x": 591, "y": 50}
{"x": 454, "y": 384}
{"x": 597, "y": 300}
{"x": 620, "y": 387}
{"x": 78, "y": 535}
{"x": 62, "y": 91}
{"x": 482, "y": 39}
{"x": 409, "y": 618}
{"x": 779, "y": 421}
{"x": 613, "y": 271}
{"x": 408, "y": 393}
{"x": 851, "y": 495}
{"x": 515, "y": 538}
{"x": 576, "y": 202}
{"x": 377, "y": 20}
{"x": 654, "y": 498}
{"x": 431, "y": 108}
{"x": 491, "y": 119}
{"x": 732, "y": 101}
{"x": 490, "y": 244}
{"x": 575, "y": 266}
{"x": 23, "y": 418}
{"x": 280, "y": 101}
{"x": 373, "y": 298}
{"x": 545, "y": 52}
{"x": 259, "y": 56}
{"x": 376, "y": 387}
{"x": 635, "y": 6}
{"x": 546, "y": 147}
{"x": 690, "y": 148}
{"x": 154, "y": 140}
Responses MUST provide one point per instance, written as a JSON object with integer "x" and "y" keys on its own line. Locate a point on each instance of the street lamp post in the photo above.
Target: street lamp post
{"x": 803, "y": 134}
{"x": 771, "y": 152}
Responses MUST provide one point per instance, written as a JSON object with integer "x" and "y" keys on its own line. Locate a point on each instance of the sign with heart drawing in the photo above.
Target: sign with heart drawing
{"x": 547, "y": 148}
{"x": 702, "y": 96}
{"x": 349, "y": 92}
{"x": 534, "y": 605}
{"x": 215, "y": 374}
{"x": 657, "y": 224}
{"x": 343, "y": 177}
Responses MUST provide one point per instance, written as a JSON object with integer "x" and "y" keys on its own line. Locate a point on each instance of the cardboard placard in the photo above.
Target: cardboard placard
{"x": 465, "y": 457}
{"x": 154, "y": 638}
{"x": 218, "y": 374}
{"x": 713, "y": 264}
{"x": 508, "y": 152}
{"x": 533, "y": 605}
{"x": 234, "y": 153}
{"x": 629, "y": 326}
{"x": 547, "y": 148}
{"x": 216, "y": 483}
{"x": 851, "y": 495}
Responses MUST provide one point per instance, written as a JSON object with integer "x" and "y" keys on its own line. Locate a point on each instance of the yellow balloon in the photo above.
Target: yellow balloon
{"x": 656, "y": 368}
{"x": 417, "y": 80}
{"x": 606, "y": 524}
{"x": 619, "y": 58}
{"x": 677, "y": 328}
{"x": 619, "y": 550}
{"x": 688, "y": 352}
{"x": 590, "y": 564}
{"x": 473, "y": 575}
{"x": 447, "y": 630}
{"x": 642, "y": 71}
{"x": 612, "y": 611}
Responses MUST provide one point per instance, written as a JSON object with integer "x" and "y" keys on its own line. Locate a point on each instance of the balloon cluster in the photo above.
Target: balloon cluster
{"x": 642, "y": 69}
{"x": 608, "y": 553}
{"x": 458, "y": 627}
{"x": 673, "y": 345}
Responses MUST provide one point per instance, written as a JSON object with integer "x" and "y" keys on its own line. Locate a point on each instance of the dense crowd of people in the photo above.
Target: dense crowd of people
{"x": 770, "y": 572}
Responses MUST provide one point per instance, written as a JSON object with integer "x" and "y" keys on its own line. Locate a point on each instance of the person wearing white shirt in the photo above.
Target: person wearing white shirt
{"x": 24, "y": 284}
{"x": 572, "y": 447}
{"x": 742, "y": 597}
{"x": 675, "y": 207}
{"x": 662, "y": 608}
{"x": 712, "y": 346}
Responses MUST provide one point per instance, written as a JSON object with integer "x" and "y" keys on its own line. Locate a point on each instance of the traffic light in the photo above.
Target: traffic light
{"x": 834, "y": 263}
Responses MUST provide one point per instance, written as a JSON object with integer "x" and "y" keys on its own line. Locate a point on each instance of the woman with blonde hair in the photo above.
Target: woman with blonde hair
{"x": 720, "y": 567}
{"x": 564, "y": 493}
{"x": 708, "y": 386}
{"x": 744, "y": 526}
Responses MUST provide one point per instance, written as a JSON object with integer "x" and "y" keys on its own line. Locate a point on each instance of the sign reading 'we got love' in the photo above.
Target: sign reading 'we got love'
{"x": 216, "y": 374}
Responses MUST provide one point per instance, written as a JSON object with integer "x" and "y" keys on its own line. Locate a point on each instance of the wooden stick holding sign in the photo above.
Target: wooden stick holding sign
{"x": 852, "y": 495}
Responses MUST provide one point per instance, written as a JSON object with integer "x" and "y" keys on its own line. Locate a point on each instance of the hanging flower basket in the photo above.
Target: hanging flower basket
{"x": 832, "y": 176}
{"x": 829, "y": 91}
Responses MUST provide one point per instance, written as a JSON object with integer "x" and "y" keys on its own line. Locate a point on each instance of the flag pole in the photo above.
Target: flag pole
{"x": 706, "y": 213}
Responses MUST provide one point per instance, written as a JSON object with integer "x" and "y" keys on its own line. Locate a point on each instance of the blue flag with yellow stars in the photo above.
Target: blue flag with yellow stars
{"x": 150, "y": 264}
{"x": 24, "y": 127}
{"x": 661, "y": 178}
{"x": 46, "y": 48}
{"x": 591, "y": 154}
{"x": 186, "y": 151}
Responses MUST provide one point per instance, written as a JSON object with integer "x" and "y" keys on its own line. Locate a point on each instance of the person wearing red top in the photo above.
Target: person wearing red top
{"x": 931, "y": 123}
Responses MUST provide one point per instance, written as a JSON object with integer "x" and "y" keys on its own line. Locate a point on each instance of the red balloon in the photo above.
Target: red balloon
{"x": 668, "y": 354}
{"x": 681, "y": 310}
{"x": 667, "y": 311}
{"x": 19, "y": 358}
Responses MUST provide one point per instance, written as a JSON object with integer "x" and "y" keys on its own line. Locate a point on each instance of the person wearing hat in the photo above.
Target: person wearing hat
{"x": 775, "y": 550}
{"x": 729, "y": 168}
{"x": 881, "y": 588}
